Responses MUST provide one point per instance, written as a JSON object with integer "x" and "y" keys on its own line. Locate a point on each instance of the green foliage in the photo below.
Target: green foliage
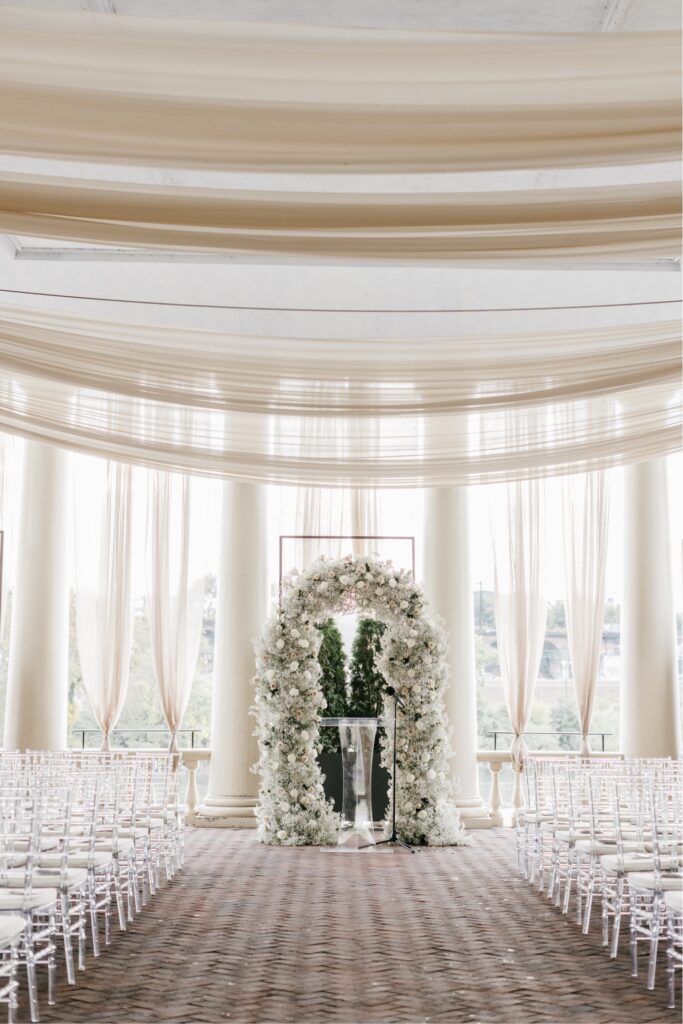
{"x": 367, "y": 683}
{"x": 563, "y": 718}
{"x": 332, "y": 661}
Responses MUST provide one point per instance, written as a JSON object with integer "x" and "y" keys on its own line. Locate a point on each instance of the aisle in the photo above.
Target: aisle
{"x": 255, "y": 934}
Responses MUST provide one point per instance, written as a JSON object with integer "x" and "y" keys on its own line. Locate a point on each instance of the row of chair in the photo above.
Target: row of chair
{"x": 84, "y": 838}
{"x": 609, "y": 831}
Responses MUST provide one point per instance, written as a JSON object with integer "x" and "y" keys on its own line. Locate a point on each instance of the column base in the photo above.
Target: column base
{"x": 225, "y": 812}
{"x": 474, "y": 813}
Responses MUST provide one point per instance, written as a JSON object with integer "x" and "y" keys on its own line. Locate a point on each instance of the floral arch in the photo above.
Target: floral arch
{"x": 292, "y": 808}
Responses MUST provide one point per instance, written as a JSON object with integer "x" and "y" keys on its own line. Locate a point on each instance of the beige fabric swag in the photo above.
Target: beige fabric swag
{"x": 357, "y": 413}
{"x": 173, "y": 92}
{"x": 597, "y": 222}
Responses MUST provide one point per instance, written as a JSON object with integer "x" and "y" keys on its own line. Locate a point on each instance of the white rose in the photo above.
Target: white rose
{"x": 293, "y": 692}
{"x": 284, "y": 806}
{"x": 410, "y": 777}
{"x": 295, "y": 633}
{"x": 411, "y": 673}
{"x": 307, "y": 676}
{"x": 422, "y": 813}
{"x": 304, "y": 734}
{"x": 410, "y": 642}
{"x": 294, "y": 793}
{"x": 304, "y": 643}
{"x": 280, "y": 644}
{"x": 323, "y": 585}
{"x": 345, "y": 580}
{"x": 291, "y": 758}
{"x": 293, "y": 666}
{"x": 404, "y": 605}
{"x": 431, "y": 774}
{"x": 392, "y": 582}
{"x": 270, "y": 674}
{"x": 282, "y": 834}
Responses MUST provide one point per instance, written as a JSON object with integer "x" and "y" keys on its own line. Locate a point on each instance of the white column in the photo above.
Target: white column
{"x": 448, "y": 588}
{"x": 649, "y": 719}
{"x": 37, "y": 683}
{"x": 240, "y": 615}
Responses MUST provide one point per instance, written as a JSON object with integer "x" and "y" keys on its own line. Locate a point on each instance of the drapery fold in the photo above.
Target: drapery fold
{"x": 175, "y": 594}
{"x": 348, "y": 413}
{"x": 176, "y": 92}
{"x": 585, "y": 512}
{"x": 103, "y": 591}
{"x": 595, "y": 222}
{"x": 520, "y": 606}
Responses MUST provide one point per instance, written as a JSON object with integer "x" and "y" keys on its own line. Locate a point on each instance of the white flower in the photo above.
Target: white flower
{"x": 404, "y": 605}
{"x": 307, "y": 676}
{"x": 293, "y": 691}
{"x": 295, "y": 633}
{"x": 431, "y": 774}
{"x": 345, "y": 580}
{"x": 294, "y": 793}
{"x": 323, "y": 585}
{"x": 422, "y": 813}
{"x": 410, "y": 642}
{"x": 284, "y": 806}
{"x": 304, "y": 734}
{"x": 270, "y": 674}
{"x": 282, "y": 834}
{"x": 293, "y": 666}
{"x": 392, "y": 582}
{"x": 280, "y": 644}
{"x": 291, "y": 758}
{"x": 304, "y": 643}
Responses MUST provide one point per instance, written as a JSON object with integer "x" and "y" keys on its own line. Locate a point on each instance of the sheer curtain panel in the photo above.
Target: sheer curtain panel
{"x": 585, "y": 513}
{"x": 520, "y": 606}
{"x": 103, "y": 549}
{"x": 175, "y": 593}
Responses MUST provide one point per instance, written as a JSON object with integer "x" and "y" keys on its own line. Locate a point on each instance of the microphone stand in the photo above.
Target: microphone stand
{"x": 394, "y": 839}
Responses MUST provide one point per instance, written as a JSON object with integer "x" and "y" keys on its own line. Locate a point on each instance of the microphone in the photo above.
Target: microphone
{"x": 399, "y": 700}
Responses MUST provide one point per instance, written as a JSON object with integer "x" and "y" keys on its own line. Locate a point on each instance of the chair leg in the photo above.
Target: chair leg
{"x": 31, "y": 972}
{"x": 51, "y": 961}
{"x": 618, "y": 909}
{"x": 66, "y": 928}
{"x": 589, "y": 900}
{"x": 654, "y": 943}
{"x": 634, "y": 944}
{"x": 92, "y": 902}
{"x": 670, "y": 975}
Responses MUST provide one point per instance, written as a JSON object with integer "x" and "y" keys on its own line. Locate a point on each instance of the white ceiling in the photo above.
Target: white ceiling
{"x": 479, "y": 15}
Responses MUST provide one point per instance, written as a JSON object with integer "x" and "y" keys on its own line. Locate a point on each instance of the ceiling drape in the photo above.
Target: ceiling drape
{"x": 173, "y": 92}
{"x": 273, "y": 409}
{"x": 596, "y": 222}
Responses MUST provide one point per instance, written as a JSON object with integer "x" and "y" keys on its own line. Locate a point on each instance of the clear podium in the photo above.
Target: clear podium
{"x": 357, "y": 737}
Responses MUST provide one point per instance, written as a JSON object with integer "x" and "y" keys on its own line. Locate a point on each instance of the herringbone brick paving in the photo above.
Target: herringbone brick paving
{"x": 256, "y": 934}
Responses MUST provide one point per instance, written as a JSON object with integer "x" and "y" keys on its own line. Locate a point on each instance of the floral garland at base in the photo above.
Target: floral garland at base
{"x": 292, "y": 808}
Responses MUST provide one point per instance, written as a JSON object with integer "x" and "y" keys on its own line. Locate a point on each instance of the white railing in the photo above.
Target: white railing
{"x": 502, "y": 813}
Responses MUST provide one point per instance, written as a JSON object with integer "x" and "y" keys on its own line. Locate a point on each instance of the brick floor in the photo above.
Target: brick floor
{"x": 249, "y": 933}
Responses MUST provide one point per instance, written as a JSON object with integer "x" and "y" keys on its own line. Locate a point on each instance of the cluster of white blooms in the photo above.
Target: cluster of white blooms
{"x": 292, "y": 808}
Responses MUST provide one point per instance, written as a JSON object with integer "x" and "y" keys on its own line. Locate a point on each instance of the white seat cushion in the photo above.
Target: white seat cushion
{"x": 11, "y": 927}
{"x": 633, "y": 862}
{"x": 601, "y": 847}
{"x": 674, "y": 901}
{"x": 76, "y": 860}
{"x": 14, "y": 899}
{"x": 647, "y": 881}
{"x": 46, "y": 878}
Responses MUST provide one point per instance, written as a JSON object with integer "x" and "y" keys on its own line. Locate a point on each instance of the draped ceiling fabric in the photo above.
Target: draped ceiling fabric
{"x": 606, "y": 221}
{"x": 176, "y": 93}
{"x": 274, "y": 409}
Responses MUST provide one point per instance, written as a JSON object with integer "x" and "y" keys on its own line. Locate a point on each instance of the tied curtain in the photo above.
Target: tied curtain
{"x": 350, "y": 412}
{"x": 230, "y": 96}
{"x": 585, "y": 516}
{"x": 607, "y": 221}
{"x": 175, "y": 593}
{"x": 103, "y": 548}
{"x": 520, "y": 605}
